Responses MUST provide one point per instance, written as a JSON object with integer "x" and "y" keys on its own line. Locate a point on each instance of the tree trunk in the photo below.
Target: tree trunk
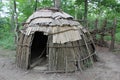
{"x": 57, "y": 4}
{"x": 85, "y": 12}
{"x": 113, "y": 35}
{"x": 16, "y": 22}
{"x": 29, "y": 1}
{"x": 12, "y": 22}
{"x": 76, "y": 13}
{"x": 36, "y": 4}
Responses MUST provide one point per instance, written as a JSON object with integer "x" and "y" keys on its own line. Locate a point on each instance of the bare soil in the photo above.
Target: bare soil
{"x": 108, "y": 68}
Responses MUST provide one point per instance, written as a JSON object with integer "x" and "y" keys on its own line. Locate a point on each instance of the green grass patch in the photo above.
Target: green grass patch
{"x": 117, "y": 37}
{"x": 7, "y": 41}
{"x": 108, "y": 38}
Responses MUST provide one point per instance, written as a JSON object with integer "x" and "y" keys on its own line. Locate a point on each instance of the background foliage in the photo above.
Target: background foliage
{"x": 100, "y": 9}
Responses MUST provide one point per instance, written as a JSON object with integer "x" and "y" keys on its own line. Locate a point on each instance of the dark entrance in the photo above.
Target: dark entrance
{"x": 39, "y": 47}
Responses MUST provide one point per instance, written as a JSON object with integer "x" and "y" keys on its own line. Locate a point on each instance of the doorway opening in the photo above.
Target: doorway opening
{"x": 39, "y": 49}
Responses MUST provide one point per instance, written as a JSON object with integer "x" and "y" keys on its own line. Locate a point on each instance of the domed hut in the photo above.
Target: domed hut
{"x": 53, "y": 39}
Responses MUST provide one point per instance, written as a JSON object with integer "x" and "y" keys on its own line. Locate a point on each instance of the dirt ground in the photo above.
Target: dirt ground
{"x": 108, "y": 68}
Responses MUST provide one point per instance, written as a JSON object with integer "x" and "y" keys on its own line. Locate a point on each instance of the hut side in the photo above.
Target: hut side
{"x": 53, "y": 37}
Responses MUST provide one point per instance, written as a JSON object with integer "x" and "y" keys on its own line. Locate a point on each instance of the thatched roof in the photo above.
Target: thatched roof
{"x": 54, "y": 22}
{"x": 51, "y": 17}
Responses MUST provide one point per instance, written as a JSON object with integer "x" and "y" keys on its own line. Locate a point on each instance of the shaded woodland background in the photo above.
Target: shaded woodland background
{"x": 83, "y": 10}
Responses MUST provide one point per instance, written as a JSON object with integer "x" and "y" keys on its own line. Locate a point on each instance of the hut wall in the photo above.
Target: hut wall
{"x": 23, "y": 51}
{"x": 71, "y": 56}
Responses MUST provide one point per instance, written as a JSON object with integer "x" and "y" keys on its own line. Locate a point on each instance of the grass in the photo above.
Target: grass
{"x": 117, "y": 36}
{"x": 7, "y": 41}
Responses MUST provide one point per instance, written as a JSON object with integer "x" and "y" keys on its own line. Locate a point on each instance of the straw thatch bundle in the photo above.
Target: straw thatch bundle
{"x": 53, "y": 33}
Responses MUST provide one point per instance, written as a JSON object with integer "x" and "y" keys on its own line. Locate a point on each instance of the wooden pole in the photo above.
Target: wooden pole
{"x": 96, "y": 24}
{"x": 36, "y": 4}
{"x": 103, "y": 33}
{"x": 85, "y": 12}
{"x": 16, "y": 22}
{"x": 113, "y": 35}
{"x": 57, "y": 4}
{"x": 96, "y": 29}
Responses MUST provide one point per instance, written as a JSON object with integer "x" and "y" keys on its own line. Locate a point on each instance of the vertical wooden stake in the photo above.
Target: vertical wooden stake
{"x": 103, "y": 33}
{"x": 66, "y": 65}
{"x": 96, "y": 29}
{"x": 113, "y": 35}
{"x": 16, "y": 22}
